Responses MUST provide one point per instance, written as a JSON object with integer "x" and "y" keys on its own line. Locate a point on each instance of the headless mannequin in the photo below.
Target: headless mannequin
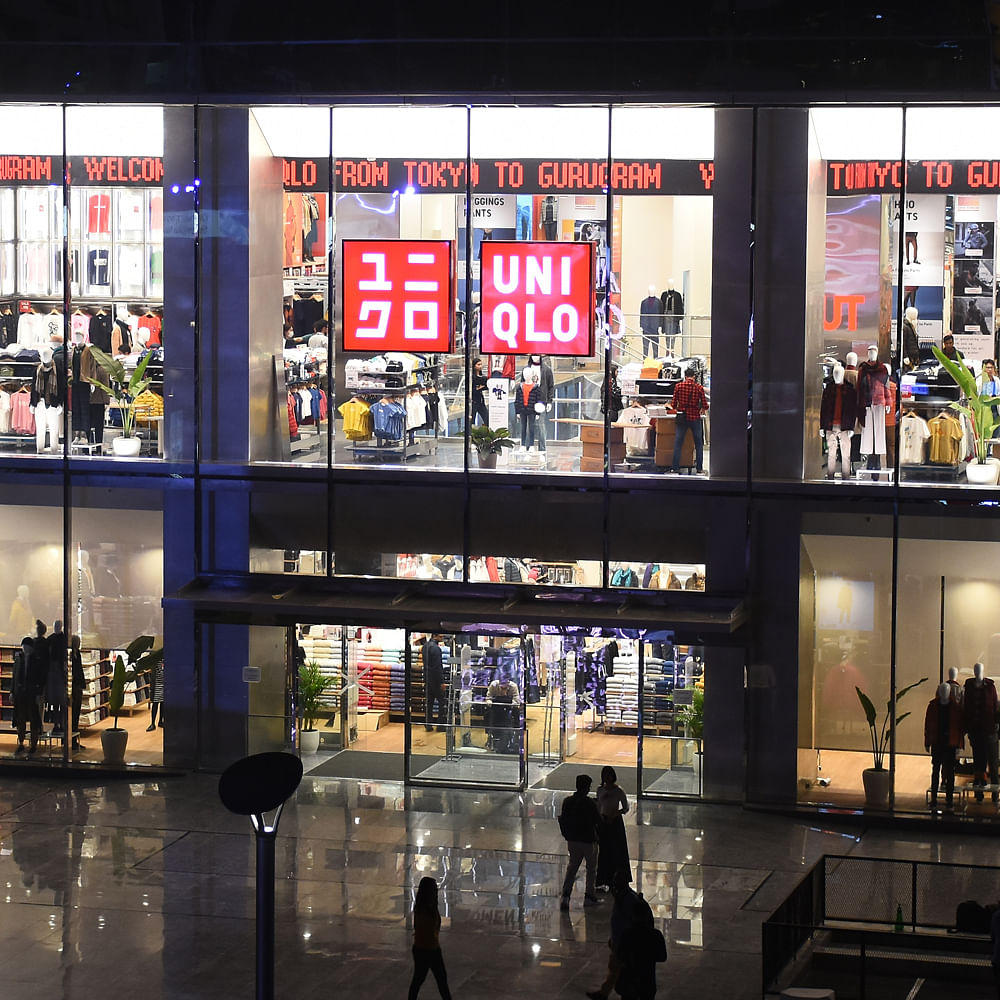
{"x": 873, "y": 405}
{"x": 943, "y": 739}
{"x": 672, "y": 305}
{"x": 156, "y": 697}
{"x": 838, "y": 412}
{"x": 650, "y": 319}
{"x": 981, "y": 712}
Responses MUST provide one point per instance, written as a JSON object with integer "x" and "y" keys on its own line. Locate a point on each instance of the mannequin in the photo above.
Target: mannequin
{"x": 46, "y": 402}
{"x": 837, "y": 416}
{"x": 55, "y": 689}
{"x": 851, "y": 368}
{"x": 873, "y": 405}
{"x": 121, "y": 335}
{"x": 910, "y": 349}
{"x": 22, "y": 618}
{"x": 650, "y": 318}
{"x": 532, "y": 400}
{"x": 956, "y": 688}
{"x": 942, "y": 739}
{"x": 980, "y": 714}
{"x": 156, "y": 697}
{"x": 672, "y": 307}
{"x": 99, "y": 398}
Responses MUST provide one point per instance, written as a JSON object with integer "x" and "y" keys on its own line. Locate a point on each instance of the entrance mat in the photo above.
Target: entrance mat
{"x": 563, "y": 777}
{"x": 361, "y": 764}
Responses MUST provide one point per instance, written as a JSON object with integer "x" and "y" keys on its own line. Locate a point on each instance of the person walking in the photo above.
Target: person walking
{"x": 621, "y": 920}
{"x": 434, "y": 684}
{"x": 578, "y": 822}
{"x": 612, "y": 804}
{"x": 642, "y": 947}
{"x": 426, "y": 946}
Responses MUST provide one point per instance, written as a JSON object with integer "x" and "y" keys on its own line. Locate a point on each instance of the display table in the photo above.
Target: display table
{"x": 371, "y": 719}
{"x": 663, "y": 456}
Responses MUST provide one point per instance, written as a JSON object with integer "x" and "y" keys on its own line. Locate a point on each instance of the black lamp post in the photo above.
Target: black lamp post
{"x": 251, "y": 787}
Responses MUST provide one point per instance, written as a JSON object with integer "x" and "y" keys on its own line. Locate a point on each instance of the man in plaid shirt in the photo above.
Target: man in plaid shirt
{"x": 689, "y": 404}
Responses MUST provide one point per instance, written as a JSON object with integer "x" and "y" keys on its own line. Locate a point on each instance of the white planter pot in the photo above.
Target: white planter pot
{"x": 114, "y": 742}
{"x": 876, "y": 788}
{"x": 983, "y": 475}
{"x": 126, "y": 447}
{"x": 308, "y": 740}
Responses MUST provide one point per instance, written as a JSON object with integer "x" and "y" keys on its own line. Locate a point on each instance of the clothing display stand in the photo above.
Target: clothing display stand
{"x": 451, "y": 711}
{"x": 549, "y": 759}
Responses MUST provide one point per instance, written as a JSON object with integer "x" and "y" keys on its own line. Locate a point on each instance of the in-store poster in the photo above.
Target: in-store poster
{"x": 973, "y": 282}
{"x": 851, "y": 286}
{"x": 923, "y": 225}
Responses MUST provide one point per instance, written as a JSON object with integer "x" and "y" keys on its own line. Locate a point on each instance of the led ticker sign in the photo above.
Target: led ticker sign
{"x": 566, "y": 176}
{"x": 103, "y": 170}
{"x": 398, "y": 295}
{"x": 844, "y": 177}
{"x": 537, "y": 298}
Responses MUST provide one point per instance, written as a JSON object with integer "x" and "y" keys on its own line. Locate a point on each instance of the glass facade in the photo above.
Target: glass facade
{"x": 331, "y": 310}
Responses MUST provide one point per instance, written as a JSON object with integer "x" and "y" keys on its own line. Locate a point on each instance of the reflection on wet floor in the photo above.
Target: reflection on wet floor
{"x": 109, "y": 886}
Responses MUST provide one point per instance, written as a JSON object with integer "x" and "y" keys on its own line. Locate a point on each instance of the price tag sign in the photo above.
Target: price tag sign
{"x": 537, "y": 298}
{"x": 398, "y": 295}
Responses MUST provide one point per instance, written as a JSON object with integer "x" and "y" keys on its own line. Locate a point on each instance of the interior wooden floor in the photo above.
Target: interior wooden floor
{"x": 143, "y": 747}
{"x": 844, "y": 767}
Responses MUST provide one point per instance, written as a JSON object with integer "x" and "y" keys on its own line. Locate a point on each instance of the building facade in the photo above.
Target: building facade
{"x": 309, "y": 494}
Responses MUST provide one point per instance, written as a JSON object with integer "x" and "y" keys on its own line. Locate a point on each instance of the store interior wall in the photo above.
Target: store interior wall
{"x": 223, "y": 652}
{"x": 851, "y": 635}
{"x": 807, "y": 648}
{"x": 265, "y": 228}
{"x": 648, "y": 249}
{"x": 692, "y": 252}
{"x": 724, "y": 734}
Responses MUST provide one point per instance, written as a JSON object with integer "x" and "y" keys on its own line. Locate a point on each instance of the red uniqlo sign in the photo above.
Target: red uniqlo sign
{"x": 398, "y": 295}
{"x": 537, "y": 298}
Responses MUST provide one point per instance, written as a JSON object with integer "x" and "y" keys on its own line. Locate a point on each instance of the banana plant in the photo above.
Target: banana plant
{"x": 880, "y": 736}
{"x": 977, "y": 406}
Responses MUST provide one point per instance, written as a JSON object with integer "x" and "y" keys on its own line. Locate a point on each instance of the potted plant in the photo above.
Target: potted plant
{"x": 876, "y": 778}
{"x": 489, "y": 444}
{"x": 139, "y": 657}
{"x": 125, "y": 389}
{"x": 694, "y": 716}
{"x": 312, "y": 685}
{"x": 978, "y": 407}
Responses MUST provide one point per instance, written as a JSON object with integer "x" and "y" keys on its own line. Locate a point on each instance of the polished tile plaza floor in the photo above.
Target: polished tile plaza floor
{"x": 147, "y": 890}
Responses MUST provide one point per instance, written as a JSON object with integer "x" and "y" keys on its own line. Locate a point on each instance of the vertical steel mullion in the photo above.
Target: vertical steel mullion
{"x": 331, "y": 353}
{"x": 893, "y": 597}
{"x": 67, "y": 518}
{"x": 466, "y": 481}
{"x": 609, "y": 207}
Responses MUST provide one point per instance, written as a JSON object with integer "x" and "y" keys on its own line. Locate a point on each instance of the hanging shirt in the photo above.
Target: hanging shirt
{"x": 99, "y": 214}
{"x": 357, "y": 420}
{"x": 99, "y": 268}
{"x": 913, "y": 435}
{"x": 153, "y": 324}
{"x": 35, "y": 213}
{"x": 130, "y": 215}
{"x": 22, "y": 420}
{"x": 945, "y": 440}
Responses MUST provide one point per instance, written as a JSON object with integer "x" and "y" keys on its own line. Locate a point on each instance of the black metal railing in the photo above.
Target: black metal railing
{"x": 880, "y": 893}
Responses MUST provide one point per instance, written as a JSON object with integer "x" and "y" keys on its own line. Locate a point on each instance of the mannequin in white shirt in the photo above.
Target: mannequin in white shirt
{"x": 873, "y": 443}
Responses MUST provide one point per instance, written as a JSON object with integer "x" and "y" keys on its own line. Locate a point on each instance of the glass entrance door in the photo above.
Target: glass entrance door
{"x": 466, "y": 709}
{"x": 673, "y": 703}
